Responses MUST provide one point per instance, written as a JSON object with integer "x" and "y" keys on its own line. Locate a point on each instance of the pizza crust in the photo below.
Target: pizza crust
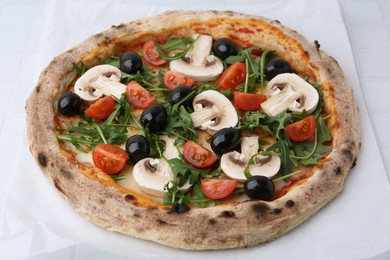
{"x": 99, "y": 199}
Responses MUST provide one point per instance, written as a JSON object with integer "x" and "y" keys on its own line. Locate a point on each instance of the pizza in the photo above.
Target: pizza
{"x": 195, "y": 129}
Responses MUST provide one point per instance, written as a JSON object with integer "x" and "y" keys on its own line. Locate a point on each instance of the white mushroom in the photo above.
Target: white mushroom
{"x": 198, "y": 63}
{"x": 234, "y": 163}
{"x": 151, "y": 175}
{"x": 213, "y": 111}
{"x": 288, "y": 91}
{"x": 98, "y": 81}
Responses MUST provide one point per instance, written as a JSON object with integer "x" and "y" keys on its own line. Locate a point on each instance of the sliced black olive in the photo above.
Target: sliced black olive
{"x": 155, "y": 118}
{"x": 276, "y": 67}
{"x": 259, "y": 187}
{"x": 130, "y": 62}
{"x": 223, "y": 48}
{"x": 69, "y": 104}
{"x": 137, "y": 148}
{"x": 225, "y": 140}
{"x": 181, "y": 92}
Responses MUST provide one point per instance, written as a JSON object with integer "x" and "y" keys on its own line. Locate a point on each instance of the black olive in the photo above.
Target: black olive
{"x": 276, "y": 67}
{"x": 131, "y": 62}
{"x": 225, "y": 140}
{"x": 181, "y": 92}
{"x": 155, "y": 118}
{"x": 259, "y": 187}
{"x": 223, "y": 48}
{"x": 137, "y": 147}
{"x": 69, "y": 104}
{"x": 180, "y": 208}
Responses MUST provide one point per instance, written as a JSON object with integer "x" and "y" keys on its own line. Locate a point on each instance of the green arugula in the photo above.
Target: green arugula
{"x": 180, "y": 45}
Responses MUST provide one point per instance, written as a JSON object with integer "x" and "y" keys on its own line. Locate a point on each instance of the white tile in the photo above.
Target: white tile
{"x": 373, "y": 64}
{"x": 362, "y": 11}
{"x": 377, "y": 95}
{"x": 19, "y": 98}
{"x": 13, "y": 132}
{"x": 6, "y": 97}
{"x": 29, "y": 70}
{"x": 381, "y": 128}
{"x": 16, "y": 40}
{"x": 370, "y": 36}
{"x": 385, "y": 152}
{"x": 9, "y": 67}
{"x": 2, "y": 120}
{"x": 34, "y": 43}
{"x": 61, "y": 254}
{"x": 17, "y": 15}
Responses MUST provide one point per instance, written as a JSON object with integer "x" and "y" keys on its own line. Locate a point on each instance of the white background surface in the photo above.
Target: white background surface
{"x": 34, "y": 36}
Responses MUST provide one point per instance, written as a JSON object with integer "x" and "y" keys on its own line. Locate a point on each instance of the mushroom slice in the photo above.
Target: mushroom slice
{"x": 151, "y": 175}
{"x": 288, "y": 91}
{"x": 98, "y": 81}
{"x": 199, "y": 64}
{"x": 234, "y": 163}
{"x": 213, "y": 111}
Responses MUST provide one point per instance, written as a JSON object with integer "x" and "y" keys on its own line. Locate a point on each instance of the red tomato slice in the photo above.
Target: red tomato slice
{"x": 232, "y": 77}
{"x": 174, "y": 79}
{"x": 301, "y": 130}
{"x": 198, "y": 156}
{"x": 138, "y": 96}
{"x": 101, "y": 109}
{"x": 217, "y": 188}
{"x": 248, "y": 101}
{"x": 150, "y": 54}
{"x": 109, "y": 158}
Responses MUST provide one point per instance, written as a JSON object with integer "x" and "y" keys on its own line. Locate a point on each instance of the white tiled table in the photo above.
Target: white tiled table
{"x": 21, "y": 21}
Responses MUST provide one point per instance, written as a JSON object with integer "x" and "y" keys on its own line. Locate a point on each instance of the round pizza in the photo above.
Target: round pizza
{"x": 195, "y": 129}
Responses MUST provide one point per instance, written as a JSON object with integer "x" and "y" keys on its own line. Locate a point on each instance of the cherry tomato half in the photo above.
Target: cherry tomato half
{"x": 248, "y": 101}
{"x": 301, "y": 130}
{"x": 217, "y": 188}
{"x": 232, "y": 77}
{"x": 138, "y": 96}
{"x": 101, "y": 109}
{"x": 197, "y": 155}
{"x": 150, "y": 54}
{"x": 109, "y": 158}
{"x": 174, "y": 79}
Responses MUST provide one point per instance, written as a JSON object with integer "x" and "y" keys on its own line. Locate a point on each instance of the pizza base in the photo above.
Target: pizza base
{"x": 99, "y": 199}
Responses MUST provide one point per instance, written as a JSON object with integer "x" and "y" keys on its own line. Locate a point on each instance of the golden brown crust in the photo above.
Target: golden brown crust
{"x": 103, "y": 202}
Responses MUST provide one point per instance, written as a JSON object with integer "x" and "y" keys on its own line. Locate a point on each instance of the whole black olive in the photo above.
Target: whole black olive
{"x": 69, "y": 104}
{"x": 137, "y": 148}
{"x": 223, "y": 48}
{"x": 180, "y": 208}
{"x": 225, "y": 140}
{"x": 130, "y": 62}
{"x": 155, "y": 118}
{"x": 181, "y": 92}
{"x": 276, "y": 67}
{"x": 259, "y": 187}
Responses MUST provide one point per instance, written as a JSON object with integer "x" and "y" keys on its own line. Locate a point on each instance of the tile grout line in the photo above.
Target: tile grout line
{"x": 17, "y": 82}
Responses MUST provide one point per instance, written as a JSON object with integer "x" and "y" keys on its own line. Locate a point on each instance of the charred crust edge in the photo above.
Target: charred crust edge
{"x": 42, "y": 160}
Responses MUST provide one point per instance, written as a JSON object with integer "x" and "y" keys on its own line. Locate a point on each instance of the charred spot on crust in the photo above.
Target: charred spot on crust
{"x": 337, "y": 170}
{"x": 277, "y": 21}
{"x": 317, "y": 44}
{"x": 179, "y": 208}
{"x": 138, "y": 23}
{"x": 212, "y": 221}
{"x": 66, "y": 174}
{"x": 289, "y": 204}
{"x": 353, "y": 163}
{"x": 129, "y": 198}
{"x": 277, "y": 211}
{"x": 260, "y": 208}
{"x": 227, "y": 214}
{"x": 161, "y": 222}
{"x": 37, "y": 88}
{"x": 58, "y": 187}
{"x": 136, "y": 215}
{"x": 102, "y": 201}
{"x": 42, "y": 160}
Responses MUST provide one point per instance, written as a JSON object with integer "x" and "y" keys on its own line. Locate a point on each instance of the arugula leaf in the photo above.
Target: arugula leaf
{"x": 303, "y": 149}
{"x": 180, "y": 45}
{"x": 80, "y": 68}
{"x": 183, "y": 171}
{"x": 323, "y": 133}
